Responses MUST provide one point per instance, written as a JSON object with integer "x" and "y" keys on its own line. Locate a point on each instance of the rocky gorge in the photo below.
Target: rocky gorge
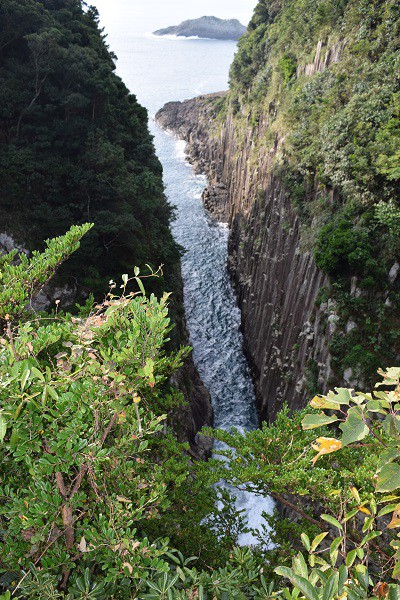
{"x": 277, "y": 283}
{"x": 301, "y": 165}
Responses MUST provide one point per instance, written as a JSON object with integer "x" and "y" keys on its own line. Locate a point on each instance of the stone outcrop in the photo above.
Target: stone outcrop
{"x": 326, "y": 54}
{"x": 277, "y": 282}
{"x": 206, "y": 27}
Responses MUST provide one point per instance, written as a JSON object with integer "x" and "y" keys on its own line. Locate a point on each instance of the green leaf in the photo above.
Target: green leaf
{"x": 300, "y": 566}
{"x": 391, "y": 425}
{"x": 322, "y": 576}
{"x": 386, "y": 509}
{"x": 350, "y": 514}
{"x": 387, "y": 456}
{"x": 313, "y": 421}
{"x": 331, "y": 587}
{"x": 391, "y": 376}
{"x": 394, "y": 592}
{"x": 388, "y": 478}
{"x": 340, "y": 396}
{"x": 335, "y": 544}
{"x": 370, "y": 536}
{"x": 317, "y": 540}
{"x": 284, "y": 572}
{"x": 52, "y": 392}
{"x": 24, "y": 378}
{"x": 306, "y": 541}
{"x": 375, "y": 406}
{"x": 332, "y": 521}
{"x": 305, "y": 587}
{"x": 38, "y": 374}
{"x": 354, "y": 429}
{"x": 396, "y": 571}
{"x": 350, "y": 558}
{"x": 343, "y": 577}
{"x": 3, "y": 427}
{"x": 149, "y": 367}
{"x": 287, "y": 594}
{"x": 14, "y": 438}
{"x": 141, "y": 286}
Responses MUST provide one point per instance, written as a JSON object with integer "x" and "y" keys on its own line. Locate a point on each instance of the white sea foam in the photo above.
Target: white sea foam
{"x": 211, "y": 307}
{"x": 176, "y": 38}
{"x": 181, "y": 149}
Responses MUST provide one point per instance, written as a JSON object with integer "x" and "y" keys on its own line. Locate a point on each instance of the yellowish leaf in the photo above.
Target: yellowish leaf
{"x": 128, "y": 566}
{"x": 325, "y": 445}
{"x": 355, "y": 494}
{"x": 122, "y": 499}
{"x": 323, "y": 402}
{"x": 395, "y": 522}
{"x": 364, "y": 510}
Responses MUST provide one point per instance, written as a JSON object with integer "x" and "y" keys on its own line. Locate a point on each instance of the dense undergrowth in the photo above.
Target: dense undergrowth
{"x": 98, "y": 500}
{"x": 75, "y": 146}
{"x": 336, "y": 123}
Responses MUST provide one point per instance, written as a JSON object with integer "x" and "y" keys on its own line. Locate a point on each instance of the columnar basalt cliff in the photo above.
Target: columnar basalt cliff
{"x": 301, "y": 158}
{"x": 277, "y": 283}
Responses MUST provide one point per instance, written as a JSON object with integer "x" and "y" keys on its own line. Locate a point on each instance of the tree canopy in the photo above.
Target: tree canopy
{"x": 74, "y": 144}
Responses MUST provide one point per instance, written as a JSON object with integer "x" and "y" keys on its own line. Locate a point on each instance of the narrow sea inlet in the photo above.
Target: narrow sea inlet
{"x": 161, "y": 70}
{"x": 213, "y": 317}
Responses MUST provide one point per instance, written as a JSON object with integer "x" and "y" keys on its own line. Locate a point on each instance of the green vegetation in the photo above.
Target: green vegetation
{"x": 339, "y": 114}
{"x": 99, "y": 501}
{"x": 75, "y": 147}
{"x": 346, "y": 488}
{"x": 92, "y": 481}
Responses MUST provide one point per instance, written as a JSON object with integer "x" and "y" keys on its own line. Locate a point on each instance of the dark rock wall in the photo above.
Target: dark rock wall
{"x": 277, "y": 283}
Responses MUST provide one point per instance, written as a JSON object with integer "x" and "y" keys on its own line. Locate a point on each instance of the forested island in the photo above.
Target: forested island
{"x": 206, "y": 27}
{"x": 104, "y": 493}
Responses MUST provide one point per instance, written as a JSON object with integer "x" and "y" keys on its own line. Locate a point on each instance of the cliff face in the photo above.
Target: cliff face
{"x": 302, "y": 160}
{"x": 277, "y": 284}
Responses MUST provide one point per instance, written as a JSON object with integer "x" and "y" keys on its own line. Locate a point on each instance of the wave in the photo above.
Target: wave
{"x": 176, "y": 38}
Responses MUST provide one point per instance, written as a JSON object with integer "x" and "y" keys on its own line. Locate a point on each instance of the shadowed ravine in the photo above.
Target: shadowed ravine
{"x": 160, "y": 70}
{"x": 212, "y": 314}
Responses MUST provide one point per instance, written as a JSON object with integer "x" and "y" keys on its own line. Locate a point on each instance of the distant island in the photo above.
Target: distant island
{"x": 206, "y": 27}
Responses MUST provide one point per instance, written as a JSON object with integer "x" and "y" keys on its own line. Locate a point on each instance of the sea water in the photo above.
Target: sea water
{"x": 159, "y": 70}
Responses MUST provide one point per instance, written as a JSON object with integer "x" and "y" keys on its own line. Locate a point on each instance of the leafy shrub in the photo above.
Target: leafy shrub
{"x": 287, "y": 66}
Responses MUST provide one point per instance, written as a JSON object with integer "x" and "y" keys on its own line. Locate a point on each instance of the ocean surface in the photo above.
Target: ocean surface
{"x": 159, "y": 70}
